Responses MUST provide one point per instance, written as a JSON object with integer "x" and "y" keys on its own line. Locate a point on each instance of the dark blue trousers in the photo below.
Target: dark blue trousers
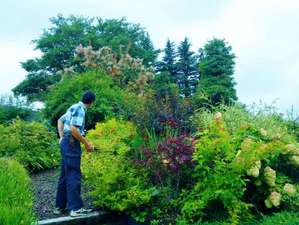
{"x": 69, "y": 184}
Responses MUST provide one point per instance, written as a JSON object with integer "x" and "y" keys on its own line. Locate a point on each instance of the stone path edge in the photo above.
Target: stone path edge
{"x": 90, "y": 218}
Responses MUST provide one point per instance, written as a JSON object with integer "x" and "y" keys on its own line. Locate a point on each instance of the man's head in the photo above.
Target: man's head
{"x": 88, "y": 98}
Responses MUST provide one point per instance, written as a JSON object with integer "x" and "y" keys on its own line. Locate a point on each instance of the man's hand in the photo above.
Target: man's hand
{"x": 89, "y": 147}
{"x": 60, "y": 139}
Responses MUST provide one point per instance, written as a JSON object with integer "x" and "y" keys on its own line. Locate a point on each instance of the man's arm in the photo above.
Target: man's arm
{"x": 60, "y": 127}
{"x": 80, "y": 138}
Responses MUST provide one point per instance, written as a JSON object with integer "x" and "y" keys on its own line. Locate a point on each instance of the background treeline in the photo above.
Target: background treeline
{"x": 209, "y": 70}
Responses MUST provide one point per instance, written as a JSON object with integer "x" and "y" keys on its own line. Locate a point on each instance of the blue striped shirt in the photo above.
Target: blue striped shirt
{"x": 75, "y": 116}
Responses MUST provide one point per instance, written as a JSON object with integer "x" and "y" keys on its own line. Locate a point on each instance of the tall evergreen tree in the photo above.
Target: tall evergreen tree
{"x": 187, "y": 69}
{"x": 168, "y": 62}
{"x": 216, "y": 72}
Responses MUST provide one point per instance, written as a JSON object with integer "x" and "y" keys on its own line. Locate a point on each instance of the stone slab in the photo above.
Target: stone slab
{"x": 88, "y": 219}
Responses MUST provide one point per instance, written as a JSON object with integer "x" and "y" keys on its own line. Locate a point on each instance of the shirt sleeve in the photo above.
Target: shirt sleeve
{"x": 77, "y": 118}
{"x": 63, "y": 118}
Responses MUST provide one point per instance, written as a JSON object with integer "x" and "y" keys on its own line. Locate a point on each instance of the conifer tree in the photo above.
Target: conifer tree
{"x": 187, "y": 69}
{"x": 216, "y": 69}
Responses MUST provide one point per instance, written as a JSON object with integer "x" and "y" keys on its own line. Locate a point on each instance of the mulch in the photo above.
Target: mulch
{"x": 44, "y": 186}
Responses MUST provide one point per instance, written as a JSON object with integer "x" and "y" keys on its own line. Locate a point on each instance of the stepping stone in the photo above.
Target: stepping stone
{"x": 88, "y": 219}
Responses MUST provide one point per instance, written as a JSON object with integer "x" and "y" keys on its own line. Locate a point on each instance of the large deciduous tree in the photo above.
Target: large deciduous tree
{"x": 58, "y": 43}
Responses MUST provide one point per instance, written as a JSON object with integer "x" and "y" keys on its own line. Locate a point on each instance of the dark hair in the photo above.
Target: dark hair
{"x": 88, "y": 97}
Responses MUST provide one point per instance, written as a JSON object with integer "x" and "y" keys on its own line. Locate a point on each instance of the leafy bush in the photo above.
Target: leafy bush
{"x": 110, "y": 99}
{"x": 164, "y": 107}
{"x": 116, "y": 184}
{"x": 15, "y": 194}
{"x": 243, "y": 161}
{"x": 262, "y": 117}
{"x": 30, "y": 143}
{"x": 168, "y": 161}
{"x": 284, "y": 217}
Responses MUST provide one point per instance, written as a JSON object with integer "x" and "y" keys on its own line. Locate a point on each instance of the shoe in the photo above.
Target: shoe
{"x": 79, "y": 212}
{"x": 58, "y": 211}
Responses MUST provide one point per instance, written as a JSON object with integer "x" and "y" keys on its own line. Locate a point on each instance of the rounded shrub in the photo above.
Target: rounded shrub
{"x": 31, "y": 143}
{"x": 111, "y": 100}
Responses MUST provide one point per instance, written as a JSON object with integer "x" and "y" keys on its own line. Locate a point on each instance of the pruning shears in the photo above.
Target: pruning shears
{"x": 106, "y": 151}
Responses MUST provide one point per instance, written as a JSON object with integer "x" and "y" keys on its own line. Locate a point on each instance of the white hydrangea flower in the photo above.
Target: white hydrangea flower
{"x": 254, "y": 171}
{"x": 268, "y": 204}
{"x": 290, "y": 148}
{"x": 270, "y": 176}
{"x": 275, "y": 198}
{"x": 294, "y": 159}
{"x": 290, "y": 189}
{"x": 246, "y": 144}
{"x": 263, "y": 132}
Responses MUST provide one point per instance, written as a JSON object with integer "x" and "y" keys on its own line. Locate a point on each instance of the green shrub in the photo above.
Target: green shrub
{"x": 262, "y": 117}
{"x": 30, "y": 143}
{"x": 116, "y": 183}
{"x": 15, "y": 194}
{"x": 111, "y": 101}
{"x": 284, "y": 217}
{"x": 243, "y": 161}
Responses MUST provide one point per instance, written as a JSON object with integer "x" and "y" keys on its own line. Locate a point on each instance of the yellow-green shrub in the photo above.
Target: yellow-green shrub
{"x": 116, "y": 183}
{"x": 31, "y": 143}
{"x": 15, "y": 194}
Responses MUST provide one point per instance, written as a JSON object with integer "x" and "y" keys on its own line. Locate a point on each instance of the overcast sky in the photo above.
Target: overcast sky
{"x": 264, "y": 35}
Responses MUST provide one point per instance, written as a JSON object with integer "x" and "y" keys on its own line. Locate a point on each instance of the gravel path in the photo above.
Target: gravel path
{"x": 44, "y": 185}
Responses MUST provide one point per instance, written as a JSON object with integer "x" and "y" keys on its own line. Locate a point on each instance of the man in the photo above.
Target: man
{"x": 71, "y": 131}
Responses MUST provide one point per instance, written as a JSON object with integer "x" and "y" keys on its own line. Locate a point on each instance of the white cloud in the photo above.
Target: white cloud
{"x": 11, "y": 72}
{"x": 264, "y": 39}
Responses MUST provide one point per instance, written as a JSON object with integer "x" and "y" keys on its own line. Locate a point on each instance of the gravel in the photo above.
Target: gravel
{"x": 45, "y": 185}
